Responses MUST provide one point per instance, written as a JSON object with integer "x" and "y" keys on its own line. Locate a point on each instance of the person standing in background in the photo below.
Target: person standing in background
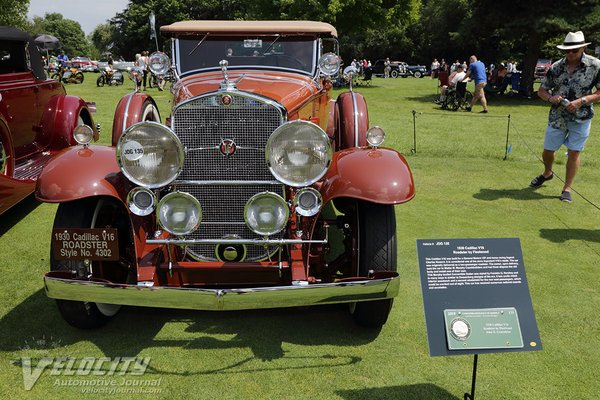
{"x": 478, "y": 74}
{"x": 568, "y": 88}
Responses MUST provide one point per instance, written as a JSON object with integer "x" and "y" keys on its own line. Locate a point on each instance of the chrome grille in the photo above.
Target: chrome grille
{"x": 223, "y": 216}
{"x": 202, "y": 125}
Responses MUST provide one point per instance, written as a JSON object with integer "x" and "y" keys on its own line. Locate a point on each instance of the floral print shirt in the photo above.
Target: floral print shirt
{"x": 559, "y": 81}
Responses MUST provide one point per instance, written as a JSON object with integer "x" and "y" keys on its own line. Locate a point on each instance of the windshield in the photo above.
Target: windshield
{"x": 296, "y": 53}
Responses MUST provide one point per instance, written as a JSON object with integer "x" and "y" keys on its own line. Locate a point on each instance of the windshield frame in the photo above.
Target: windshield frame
{"x": 268, "y": 39}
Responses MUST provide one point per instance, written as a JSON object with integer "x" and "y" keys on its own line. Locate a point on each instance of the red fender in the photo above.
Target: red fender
{"x": 59, "y": 120}
{"x": 129, "y": 112}
{"x": 353, "y": 120}
{"x": 78, "y": 172}
{"x": 377, "y": 175}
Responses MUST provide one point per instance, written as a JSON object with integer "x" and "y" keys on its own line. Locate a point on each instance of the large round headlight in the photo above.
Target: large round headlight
{"x": 179, "y": 213}
{"x": 159, "y": 63}
{"x": 329, "y": 64}
{"x": 150, "y": 154}
{"x": 298, "y": 153}
{"x": 266, "y": 213}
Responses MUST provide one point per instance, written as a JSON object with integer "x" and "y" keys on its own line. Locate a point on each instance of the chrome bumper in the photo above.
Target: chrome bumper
{"x": 380, "y": 287}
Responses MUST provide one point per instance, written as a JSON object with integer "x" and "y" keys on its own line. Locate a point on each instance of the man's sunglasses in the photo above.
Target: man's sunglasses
{"x": 573, "y": 50}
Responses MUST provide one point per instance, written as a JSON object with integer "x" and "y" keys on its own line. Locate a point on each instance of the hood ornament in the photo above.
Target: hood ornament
{"x": 226, "y": 84}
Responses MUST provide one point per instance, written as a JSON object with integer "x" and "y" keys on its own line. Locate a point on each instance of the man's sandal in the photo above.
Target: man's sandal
{"x": 539, "y": 180}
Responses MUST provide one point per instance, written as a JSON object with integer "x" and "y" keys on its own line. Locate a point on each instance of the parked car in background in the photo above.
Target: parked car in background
{"x": 541, "y": 68}
{"x": 258, "y": 191}
{"x": 84, "y": 64}
{"x": 418, "y": 71}
{"x": 399, "y": 69}
{"x": 119, "y": 64}
{"x": 37, "y": 118}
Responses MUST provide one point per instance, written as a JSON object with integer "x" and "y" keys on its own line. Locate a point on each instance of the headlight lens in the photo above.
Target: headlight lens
{"x": 329, "y": 64}
{"x": 266, "y": 213}
{"x": 179, "y": 213}
{"x": 298, "y": 153}
{"x": 375, "y": 136}
{"x": 83, "y": 134}
{"x": 159, "y": 63}
{"x": 150, "y": 154}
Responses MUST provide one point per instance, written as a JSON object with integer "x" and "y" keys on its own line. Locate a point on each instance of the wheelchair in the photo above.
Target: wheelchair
{"x": 457, "y": 98}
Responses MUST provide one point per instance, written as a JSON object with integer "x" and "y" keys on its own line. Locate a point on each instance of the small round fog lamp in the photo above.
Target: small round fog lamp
{"x": 179, "y": 213}
{"x": 266, "y": 213}
{"x": 375, "y": 136}
{"x": 83, "y": 134}
{"x": 141, "y": 201}
{"x": 307, "y": 202}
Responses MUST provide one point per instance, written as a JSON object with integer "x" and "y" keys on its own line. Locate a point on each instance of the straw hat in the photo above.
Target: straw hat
{"x": 573, "y": 40}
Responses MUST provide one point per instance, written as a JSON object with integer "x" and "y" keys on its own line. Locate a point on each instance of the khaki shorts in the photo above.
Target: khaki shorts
{"x": 479, "y": 89}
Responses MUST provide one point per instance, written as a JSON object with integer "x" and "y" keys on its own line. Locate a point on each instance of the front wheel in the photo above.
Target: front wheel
{"x": 394, "y": 74}
{"x": 100, "y": 81}
{"x": 418, "y": 74}
{"x": 79, "y": 77}
{"x": 376, "y": 226}
{"x": 95, "y": 212}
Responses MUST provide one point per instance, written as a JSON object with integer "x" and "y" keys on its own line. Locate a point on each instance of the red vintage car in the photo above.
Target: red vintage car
{"x": 37, "y": 118}
{"x": 258, "y": 191}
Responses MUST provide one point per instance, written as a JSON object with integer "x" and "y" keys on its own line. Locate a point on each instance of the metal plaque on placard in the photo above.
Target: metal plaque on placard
{"x": 85, "y": 244}
{"x": 484, "y": 328}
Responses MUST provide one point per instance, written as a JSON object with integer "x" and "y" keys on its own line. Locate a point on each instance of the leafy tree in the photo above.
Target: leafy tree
{"x": 525, "y": 27}
{"x": 14, "y": 13}
{"x": 69, "y": 33}
{"x": 102, "y": 38}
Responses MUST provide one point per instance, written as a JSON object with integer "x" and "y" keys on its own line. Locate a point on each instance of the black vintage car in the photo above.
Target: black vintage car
{"x": 399, "y": 68}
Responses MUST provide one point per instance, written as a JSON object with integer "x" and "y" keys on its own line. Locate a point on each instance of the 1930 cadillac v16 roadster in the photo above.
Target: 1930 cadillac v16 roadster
{"x": 258, "y": 192}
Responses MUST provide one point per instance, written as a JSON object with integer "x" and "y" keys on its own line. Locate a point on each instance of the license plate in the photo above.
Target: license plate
{"x": 96, "y": 244}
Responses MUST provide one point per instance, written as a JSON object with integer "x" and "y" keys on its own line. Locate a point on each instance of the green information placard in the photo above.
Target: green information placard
{"x": 483, "y": 328}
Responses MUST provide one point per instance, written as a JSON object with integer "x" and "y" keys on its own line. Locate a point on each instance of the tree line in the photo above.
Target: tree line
{"x": 415, "y": 31}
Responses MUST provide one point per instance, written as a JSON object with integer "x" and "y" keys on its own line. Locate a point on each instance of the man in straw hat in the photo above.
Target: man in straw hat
{"x": 568, "y": 88}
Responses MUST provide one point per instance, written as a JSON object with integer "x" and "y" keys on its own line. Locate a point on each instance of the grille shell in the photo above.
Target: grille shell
{"x": 203, "y": 124}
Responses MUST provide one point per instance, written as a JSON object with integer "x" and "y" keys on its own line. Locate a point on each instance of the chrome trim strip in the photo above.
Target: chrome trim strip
{"x": 355, "y": 112}
{"x": 280, "y": 108}
{"x": 221, "y": 299}
{"x": 126, "y": 112}
{"x": 231, "y": 183}
{"x": 257, "y": 242}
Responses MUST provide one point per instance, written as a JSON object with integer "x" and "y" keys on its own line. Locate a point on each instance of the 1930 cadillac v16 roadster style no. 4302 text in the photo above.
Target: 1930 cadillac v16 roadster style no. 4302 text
{"x": 259, "y": 191}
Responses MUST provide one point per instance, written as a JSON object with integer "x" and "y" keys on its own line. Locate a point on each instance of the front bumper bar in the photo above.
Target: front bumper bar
{"x": 383, "y": 286}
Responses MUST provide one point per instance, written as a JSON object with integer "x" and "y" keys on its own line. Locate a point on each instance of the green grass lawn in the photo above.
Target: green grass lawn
{"x": 464, "y": 190}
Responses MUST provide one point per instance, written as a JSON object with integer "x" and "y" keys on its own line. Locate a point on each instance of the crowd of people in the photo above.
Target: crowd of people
{"x": 571, "y": 86}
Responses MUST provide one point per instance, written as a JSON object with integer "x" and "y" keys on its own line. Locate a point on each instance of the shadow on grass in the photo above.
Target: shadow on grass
{"x": 135, "y": 329}
{"x": 17, "y": 212}
{"x": 423, "y": 391}
{"x": 562, "y": 235}
{"x": 516, "y": 194}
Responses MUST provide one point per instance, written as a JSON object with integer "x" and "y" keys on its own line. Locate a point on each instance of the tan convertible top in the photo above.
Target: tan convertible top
{"x": 290, "y": 27}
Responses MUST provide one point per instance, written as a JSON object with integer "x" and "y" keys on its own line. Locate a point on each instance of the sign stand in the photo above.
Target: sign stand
{"x": 471, "y": 396}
